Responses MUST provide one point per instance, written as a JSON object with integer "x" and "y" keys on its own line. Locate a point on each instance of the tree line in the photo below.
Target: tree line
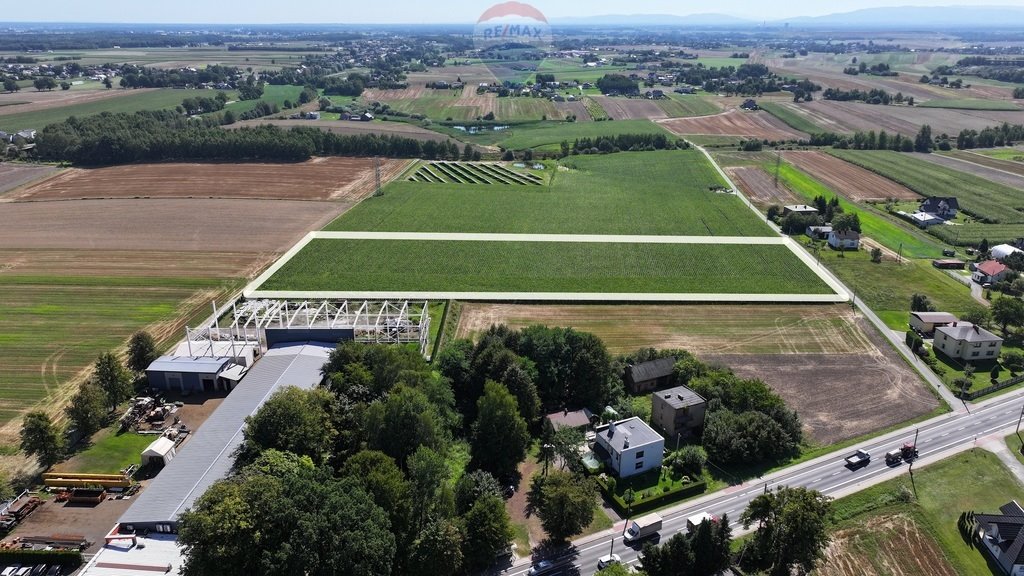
{"x": 119, "y": 138}
{"x": 621, "y": 142}
{"x": 873, "y": 96}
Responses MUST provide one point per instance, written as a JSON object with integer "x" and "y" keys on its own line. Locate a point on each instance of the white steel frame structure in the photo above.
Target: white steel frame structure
{"x": 372, "y": 321}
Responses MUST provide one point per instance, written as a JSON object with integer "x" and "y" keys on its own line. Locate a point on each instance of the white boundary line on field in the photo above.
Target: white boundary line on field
{"x": 252, "y": 290}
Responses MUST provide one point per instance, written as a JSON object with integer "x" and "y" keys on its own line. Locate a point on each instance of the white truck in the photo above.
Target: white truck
{"x": 642, "y": 527}
{"x": 693, "y": 521}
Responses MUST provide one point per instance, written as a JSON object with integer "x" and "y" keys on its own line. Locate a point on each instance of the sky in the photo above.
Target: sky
{"x": 413, "y": 11}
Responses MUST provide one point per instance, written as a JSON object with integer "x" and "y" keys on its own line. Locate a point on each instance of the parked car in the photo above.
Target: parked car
{"x": 608, "y": 560}
{"x": 542, "y": 567}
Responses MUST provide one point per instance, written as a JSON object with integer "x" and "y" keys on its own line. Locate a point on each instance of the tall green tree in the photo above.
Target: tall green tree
{"x": 402, "y": 423}
{"x": 564, "y": 503}
{"x": 141, "y": 351}
{"x": 437, "y": 550}
{"x": 520, "y": 383}
{"x": 500, "y": 437}
{"x": 1008, "y": 312}
{"x": 428, "y": 473}
{"x": 292, "y": 420}
{"x": 472, "y": 487}
{"x": 923, "y": 142}
{"x": 41, "y": 438}
{"x": 673, "y": 558}
{"x": 110, "y": 375}
{"x": 381, "y": 478}
{"x": 792, "y": 529}
{"x": 10, "y": 85}
{"x": 488, "y": 531}
{"x": 88, "y": 409}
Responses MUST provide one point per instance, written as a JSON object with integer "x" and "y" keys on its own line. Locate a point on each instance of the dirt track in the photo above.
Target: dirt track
{"x": 349, "y": 179}
{"x": 631, "y": 108}
{"x": 853, "y": 182}
{"x": 759, "y": 186}
{"x": 760, "y": 125}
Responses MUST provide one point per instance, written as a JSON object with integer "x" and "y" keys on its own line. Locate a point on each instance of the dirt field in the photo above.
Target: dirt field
{"x": 13, "y": 176}
{"x": 759, "y": 186}
{"x": 840, "y": 396}
{"x": 577, "y": 108}
{"x": 348, "y": 127}
{"x": 854, "y": 116}
{"x": 968, "y": 165}
{"x": 828, "y": 365}
{"x": 35, "y": 100}
{"x": 346, "y": 179}
{"x": 480, "y": 104}
{"x": 885, "y": 545}
{"x": 761, "y": 125}
{"x": 853, "y": 182}
{"x": 163, "y": 224}
{"x": 631, "y": 108}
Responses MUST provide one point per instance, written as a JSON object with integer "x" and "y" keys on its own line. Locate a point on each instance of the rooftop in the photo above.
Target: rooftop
{"x": 159, "y": 554}
{"x": 209, "y": 456}
{"x": 189, "y": 364}
{"x": 217, "y": 348}
{"x": 651, "y": 370}
{"x": 628, "y": 433}
{"x": 847, "y": 235}
{"x": 1011, "y": 529}
{"x": 991, "y": 268}
{"x": 800, "y": 208}
{"x": 680, "y": 397}
{"x": 968, "y": 332}
{"x": 934, "y": 317}
{"x": 566, "y": 419}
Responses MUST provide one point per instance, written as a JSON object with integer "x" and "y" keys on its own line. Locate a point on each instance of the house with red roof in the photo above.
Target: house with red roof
{"x": 989, "y": 272}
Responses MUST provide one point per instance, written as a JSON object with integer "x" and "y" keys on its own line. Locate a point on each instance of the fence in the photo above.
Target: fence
{"x": 991, "y": 389}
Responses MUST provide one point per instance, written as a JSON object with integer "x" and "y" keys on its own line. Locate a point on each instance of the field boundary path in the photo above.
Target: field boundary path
{"x": 840, "y": 294}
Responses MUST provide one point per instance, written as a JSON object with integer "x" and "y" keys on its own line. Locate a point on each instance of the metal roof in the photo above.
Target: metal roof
{"x": 651, "y": 370}
{"x": 566, "y": 419}
{"x": 965, "y": 331}
{"x": 209, "y": 455}
{"x": 680, "y": 397}
{"x": 934, "y": 317}
{"x": 628, "y": 433}
{"x": 189, "y": 364}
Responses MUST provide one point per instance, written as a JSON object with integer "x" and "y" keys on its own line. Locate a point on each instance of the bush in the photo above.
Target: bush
{"x": 650, "y": 501}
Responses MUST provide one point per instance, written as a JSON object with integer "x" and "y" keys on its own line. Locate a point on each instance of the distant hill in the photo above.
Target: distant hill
{"x": 919, "y": 17}
{"x": 653, "y": 19}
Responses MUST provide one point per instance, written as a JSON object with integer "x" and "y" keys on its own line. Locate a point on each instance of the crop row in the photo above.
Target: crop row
{"x": 465, "y": 173}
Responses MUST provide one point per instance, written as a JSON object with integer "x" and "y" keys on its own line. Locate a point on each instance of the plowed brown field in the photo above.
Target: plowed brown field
{"x": 907, "y": 120}
{"x": 886, "y": 545}
{"x": 319, "y": 179}
{"x": 631, "y": 108}
{"x": 759, "y": 186}
{"x": 853, "y": 182}
{"x": 760, "y": 125}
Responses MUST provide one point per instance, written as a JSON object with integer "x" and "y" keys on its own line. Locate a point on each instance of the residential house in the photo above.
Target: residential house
{"x": 944, "y": 208}
{"x": 1003, "y": 537}
{"x": 801, "y": 209}
{"x": 579, "y": 419}
{"x": 927, "y": 322}
{"x": 677, "y": 411}
{"x": 846, "y": 240}
{"x": 923, "y": 219}
{"x": 819, "y": 232}
{"x": 750, "y": 105}
{"x": 967, "y": 342}
{"x": 990, "y": 272}
{"x": 629, "y": 447}
{"x": 366, "y": 117}
{"x": 650, "y": 375}
{"x": 997, "y": 252}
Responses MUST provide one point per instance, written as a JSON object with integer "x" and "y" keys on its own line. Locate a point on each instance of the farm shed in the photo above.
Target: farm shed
{"x": 819, "y": 232}
{"x": 927, "y": 322}
{"x": 1002, "y": 251}
{"x": 650, "y": 375}
{"x": 923, "y": 219}
{"x": 160, "y": 451}
{"x": 243, "y": 353}
{"x": 190, "y": 374}
{"x": 566, "y": 419}
{"x": 949, "y": 264}
{"x": 677, "y": 411}
{"x": 208, "y": 457}
{"x": 134, "y": 555}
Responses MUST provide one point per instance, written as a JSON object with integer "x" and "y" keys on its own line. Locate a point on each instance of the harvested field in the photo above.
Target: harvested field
{"x": 702, "y": 329}
{"x": 977, "y": 168}
{"x": 884, "y": 545}
{"x": 759, "y": 186}
{"x": 15, "y": 175}
{"x": 906, "y": 120}
{"x": 35, "y": 101}
{"x": 1004, "y": 164}
{"x": 198, "y": 225}
{"x": 834, "y": 369}
{"x": 578, "y": 109}
{"x": 631, "y": 108}
{"x": 850, "y": 180}
{"x": 761, "y": 125}
{"x": 348, "y": 127}
{"x": 347, "y": 179}
{"x": 815, "y": 117}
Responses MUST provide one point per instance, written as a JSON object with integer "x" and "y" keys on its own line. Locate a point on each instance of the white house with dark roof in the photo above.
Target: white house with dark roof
{"x": 944, "y": 208}
{"x": 846, "y": 239}
{"x": 629, "y": 447}
{"x": 1003, "y": 536}
{"x": 968, "y": 342}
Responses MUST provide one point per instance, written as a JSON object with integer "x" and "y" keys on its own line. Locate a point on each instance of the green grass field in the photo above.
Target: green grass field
{"x": 982, "y": 198}
{"x": 473, "y": 266}
{"x": 971, "y": 234}
{"x": 972, "y": 481}
{"x": 133, "y": 101}
{"x": 883, "y": 228}
{"x": 549, "y": 135}
{"x": 791, "y": 118}
{"x": 887, "y": 287}
{"x": 109, "y": 453}
{"x": 972, "y": 104}
{"x": 663, "y": 192}
{"x": 685, "y": 105}
{"x": 1011, "y": 154}
{"x": 54, "y": 326}
{"x": 271, "y": 94}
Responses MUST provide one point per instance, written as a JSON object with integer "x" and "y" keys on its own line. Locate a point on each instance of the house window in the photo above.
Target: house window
{"x": 973, "y": 354}
{"x": 638, "y": 466}
{"x": 639, "y": 455}
{"x": 991, "y": 344}
{"x": 977, "y": 344}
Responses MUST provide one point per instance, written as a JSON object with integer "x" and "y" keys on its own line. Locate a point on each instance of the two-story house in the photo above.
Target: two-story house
{"x": 629, "y": 447}
{"x": 967, "y": 342}
{"x": 677, "y": 411}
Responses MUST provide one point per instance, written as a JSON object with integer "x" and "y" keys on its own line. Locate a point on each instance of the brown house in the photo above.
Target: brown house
{"x": 650, "y": 375}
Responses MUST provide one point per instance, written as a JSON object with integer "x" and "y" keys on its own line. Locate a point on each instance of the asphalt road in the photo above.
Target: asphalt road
{"x": 939, "y": 438}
